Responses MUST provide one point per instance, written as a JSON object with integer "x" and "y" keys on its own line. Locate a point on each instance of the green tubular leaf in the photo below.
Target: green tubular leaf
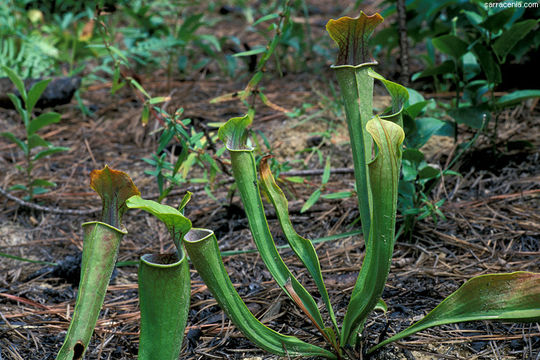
{"x": 100, "y": 250}
{"x": 202, "y": 247}
{"x": 302, "y": 247}
{"x": 114, "y": 187}
{"x": 352, "y": 37}
{"x": 357, "y": 91}
{"x": 35, "y": 93}
{"x": 234, "y": 135}
{"x": 164, "y": 297}
{"x": 503, "y": 297}
{"x": 177, "y": 224}
{"x": 384, "y": 178}
{"x": 42, "y": 121}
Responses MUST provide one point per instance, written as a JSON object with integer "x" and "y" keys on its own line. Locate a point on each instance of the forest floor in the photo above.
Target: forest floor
{"x": 492, "y": 224}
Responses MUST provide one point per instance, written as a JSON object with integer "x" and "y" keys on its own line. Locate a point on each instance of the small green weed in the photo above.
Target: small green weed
{"x": 32, "y": 124}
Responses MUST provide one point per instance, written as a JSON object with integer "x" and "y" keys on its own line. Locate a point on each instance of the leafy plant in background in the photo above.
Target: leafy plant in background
{"x": 193, "y": 150}
{"x": 36, "y": 40}
{"x": 513, "y": 297}
{"x": 475, "y": 41}
{"x": 32, "y": 124}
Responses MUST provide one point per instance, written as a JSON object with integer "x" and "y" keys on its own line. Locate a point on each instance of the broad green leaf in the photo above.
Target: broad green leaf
{"x": 510, "y": 38}
{"x": 414, "y": 155}
{"x": 502, "y": 297}
{"x": 497, "y": 21}
{"x": 301, "y": 246}
{"x": 352, "y": 37}
{"x": 516, "y": 97}
{"x": 35, "y": 140}
{"x": 21, "y": 144}
{"x": 35, "y": 93}
{"x": 384, "y": 178}
{"x": 450, "y": 45}
{"x": 39, "y": 190}
{"x": 428, "y": 172}
{"x": 50, "y": 151}
{"x": 177, "y": 224}
{"x": 311, "y": 200}
{"x": 115, "y": 188}
{"x": 202, "y": 247}
{"x": 42, "y": 121}
{"x": 416, "y": 109}
{"x": 447, "y": 67}
{"x": 43, "y": 183}
{"x": 234, "y": 135}
{"x": 18, "y": 187}
{"x": 16, "y": 80}
{"x": 488, "y": 63}
{"x": 471, "y": 116}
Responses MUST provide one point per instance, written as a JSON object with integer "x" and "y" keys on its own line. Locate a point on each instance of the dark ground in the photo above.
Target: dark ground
{"x": 492, "y": 225}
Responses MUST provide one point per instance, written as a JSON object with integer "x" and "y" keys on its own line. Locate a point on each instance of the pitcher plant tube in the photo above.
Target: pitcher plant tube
{"x": 164, "y": 287}
{"x": 376, "y": 143}
{"x": 100, "y": 250}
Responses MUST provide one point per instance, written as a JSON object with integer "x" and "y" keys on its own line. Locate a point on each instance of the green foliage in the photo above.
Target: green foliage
{"x": 467, "y": 44}
{"x": 193, "y": 149}
{"x": 34, "y": 147}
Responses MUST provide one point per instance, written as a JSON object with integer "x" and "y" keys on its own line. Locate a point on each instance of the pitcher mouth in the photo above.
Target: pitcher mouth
{"x": 122, "y": 228}
{"x": 162, "y": 260}
{"x": 368, "y": 64}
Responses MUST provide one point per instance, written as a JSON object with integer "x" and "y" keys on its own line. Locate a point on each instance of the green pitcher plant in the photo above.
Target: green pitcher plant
{"x": 164, "y": 286}
{"x": 376, "y": 143}
{"x": 100, "y": 250}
